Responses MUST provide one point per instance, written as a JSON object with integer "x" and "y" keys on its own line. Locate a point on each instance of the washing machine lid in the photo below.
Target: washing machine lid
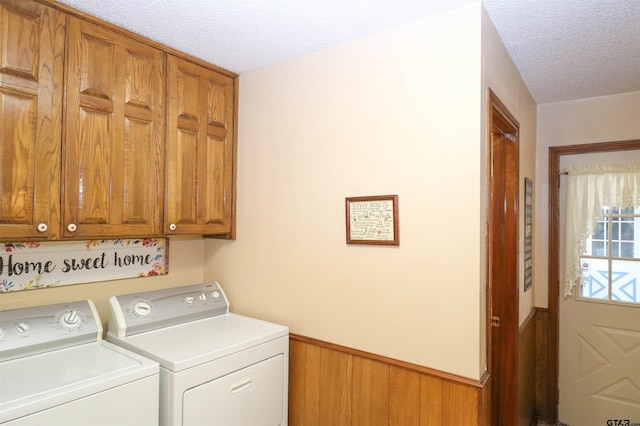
{"x": 186, "y": 345}
{"x": 34, "y": 383}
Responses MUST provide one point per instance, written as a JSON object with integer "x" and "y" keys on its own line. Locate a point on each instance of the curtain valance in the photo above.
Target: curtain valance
{"x": 590, "y": 188}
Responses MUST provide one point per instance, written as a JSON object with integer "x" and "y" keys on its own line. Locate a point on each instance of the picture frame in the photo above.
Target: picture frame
{"x": 372, "y": 220}
{"x": 528, "y": 234}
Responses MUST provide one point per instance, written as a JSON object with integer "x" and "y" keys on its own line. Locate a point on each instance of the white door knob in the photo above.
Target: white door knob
{"x": 72, "y": 227}
{"x": 42, "y": 227}
{"x": 172, "y": 227}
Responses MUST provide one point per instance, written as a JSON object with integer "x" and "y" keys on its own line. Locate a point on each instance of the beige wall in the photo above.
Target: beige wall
{"x": 185, "y": 267}
{"x": 399, "y": 112}
{"x": 603, "y": 119}
{"x": 500, "y": 74}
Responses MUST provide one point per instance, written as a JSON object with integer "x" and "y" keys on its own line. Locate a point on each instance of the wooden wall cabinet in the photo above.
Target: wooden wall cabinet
{"x": 200, "y": 150}
{"x": 32, "y": 38}
{"x": 106, "y": 134}
{"x": 113, "y": 150}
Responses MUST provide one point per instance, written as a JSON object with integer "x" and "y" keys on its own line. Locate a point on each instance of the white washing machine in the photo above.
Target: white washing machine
{"x": 216, "y": 367}
{"x": 55, "y": 369}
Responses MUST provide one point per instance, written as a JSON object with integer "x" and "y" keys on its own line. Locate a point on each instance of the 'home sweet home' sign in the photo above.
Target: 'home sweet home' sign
{"x": 32, "y": 265}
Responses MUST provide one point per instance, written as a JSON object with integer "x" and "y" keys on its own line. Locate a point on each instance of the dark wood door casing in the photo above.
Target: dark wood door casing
{"x": 555, "y": 152}
{"x": 502, "y": 296}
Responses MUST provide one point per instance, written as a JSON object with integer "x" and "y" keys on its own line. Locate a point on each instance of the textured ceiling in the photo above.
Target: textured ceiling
{"x": 571, "y": 49}
{"x": 564, "y": 49}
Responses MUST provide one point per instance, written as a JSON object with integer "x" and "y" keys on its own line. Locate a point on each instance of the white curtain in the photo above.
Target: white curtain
{"x": 589, "y": 189}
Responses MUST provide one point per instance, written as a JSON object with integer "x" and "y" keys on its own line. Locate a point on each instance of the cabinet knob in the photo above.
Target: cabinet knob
{"x": 42, "y": 227}
{"x": 172, "y": 227}
{"x": 72, "y": 227}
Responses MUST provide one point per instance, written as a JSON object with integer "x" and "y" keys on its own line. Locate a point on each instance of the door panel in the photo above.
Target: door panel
{"x": 113, "y": 153}
{"x": 200, "y": 150}
{"x": 503, "y": 264}
{"x": 599, "y": 362}
{"x": 250, "y": 396}
{"x": 31, "y": 74}
{"x": 599, "y": 342}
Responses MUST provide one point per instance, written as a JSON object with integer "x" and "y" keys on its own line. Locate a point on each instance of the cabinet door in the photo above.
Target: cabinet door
{"x": 200, "y": 150}
{"x": 113, "y": 170}
{"x": 31, "y": 76}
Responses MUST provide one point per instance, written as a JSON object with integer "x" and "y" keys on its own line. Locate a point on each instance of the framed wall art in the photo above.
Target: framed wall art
{"x": 34, "y": 265}
{"x": 528, "y": 233}
{"x": 372, "y": 220}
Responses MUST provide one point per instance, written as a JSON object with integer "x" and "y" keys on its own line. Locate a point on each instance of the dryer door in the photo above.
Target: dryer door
{"x": 251, "y": 396}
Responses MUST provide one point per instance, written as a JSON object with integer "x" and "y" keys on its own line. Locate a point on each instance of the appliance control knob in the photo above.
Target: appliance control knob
{"x": 70, "y": 319}
{"x": 1, "y": 333}
{"x": 188, "y": 299}
{"x": 22, "y": 328}
{"x": 215, "y": 294}
{"x": 202, "y": 297}
{"x": 142, "y": 308}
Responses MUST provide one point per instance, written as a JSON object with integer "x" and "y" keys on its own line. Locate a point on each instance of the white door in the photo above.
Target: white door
{"x": 599, "y": 342}
{"x": 599, "y": 363}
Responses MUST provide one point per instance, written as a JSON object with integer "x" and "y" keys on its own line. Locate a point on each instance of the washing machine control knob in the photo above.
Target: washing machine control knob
{"x": 70, "y": 319}
{"x": 188, "y": 300}
{"x": 142, "y": 308}
{"x": 22, "y": 328}
{"x": 202, "y": 297}
{"x": 215, "y": 294}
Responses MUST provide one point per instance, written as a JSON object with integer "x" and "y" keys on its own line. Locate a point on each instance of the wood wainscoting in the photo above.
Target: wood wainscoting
{"x": 527, "y": 370}
{"x": 544, "y": 410}
{"x": 335, "y": 385}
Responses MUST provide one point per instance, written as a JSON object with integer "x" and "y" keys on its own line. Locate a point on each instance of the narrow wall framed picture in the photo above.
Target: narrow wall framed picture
{"x": 372, "y": 220}
{"x": 528, "y": 233}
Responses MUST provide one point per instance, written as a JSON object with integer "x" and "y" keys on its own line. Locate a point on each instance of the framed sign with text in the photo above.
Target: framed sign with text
{"x": 528, "y": 233}
{"x": 33, "y": 265}
{"x": 372, "y": 220}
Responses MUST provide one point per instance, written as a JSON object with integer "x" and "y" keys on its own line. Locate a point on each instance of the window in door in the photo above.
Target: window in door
{"x": 611, "y": 264}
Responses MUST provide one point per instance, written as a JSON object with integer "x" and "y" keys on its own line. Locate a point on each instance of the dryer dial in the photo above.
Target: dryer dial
{"x": 142, "y": 308}
{"x": 70, "y": 319}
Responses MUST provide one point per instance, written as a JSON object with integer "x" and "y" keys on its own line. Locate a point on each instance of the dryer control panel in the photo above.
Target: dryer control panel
{"x": 29, "y": 331}
{"x": 139, "y": 312}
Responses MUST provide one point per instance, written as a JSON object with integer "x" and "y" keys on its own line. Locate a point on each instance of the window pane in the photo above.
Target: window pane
{"x": 625, "y": 278}
{"x": 613, "y": 279}
{"x": 627, "y": 231}
{"x": 598, "y": 248}
{"x": 598, "y": 234}
{"x": 626, "y": 249}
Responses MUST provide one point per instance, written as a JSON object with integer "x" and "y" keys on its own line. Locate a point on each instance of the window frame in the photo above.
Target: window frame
{"x": 611, "y": 217}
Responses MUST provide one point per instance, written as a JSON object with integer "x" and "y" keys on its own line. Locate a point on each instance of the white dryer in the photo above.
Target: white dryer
{"x": 55, "y": 369}
{"x": 216, "y": 367}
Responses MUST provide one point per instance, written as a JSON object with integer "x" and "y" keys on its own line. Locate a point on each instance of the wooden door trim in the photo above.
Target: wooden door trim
{"x": 555, "y": 152}
{"x": 499, "y": 116}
